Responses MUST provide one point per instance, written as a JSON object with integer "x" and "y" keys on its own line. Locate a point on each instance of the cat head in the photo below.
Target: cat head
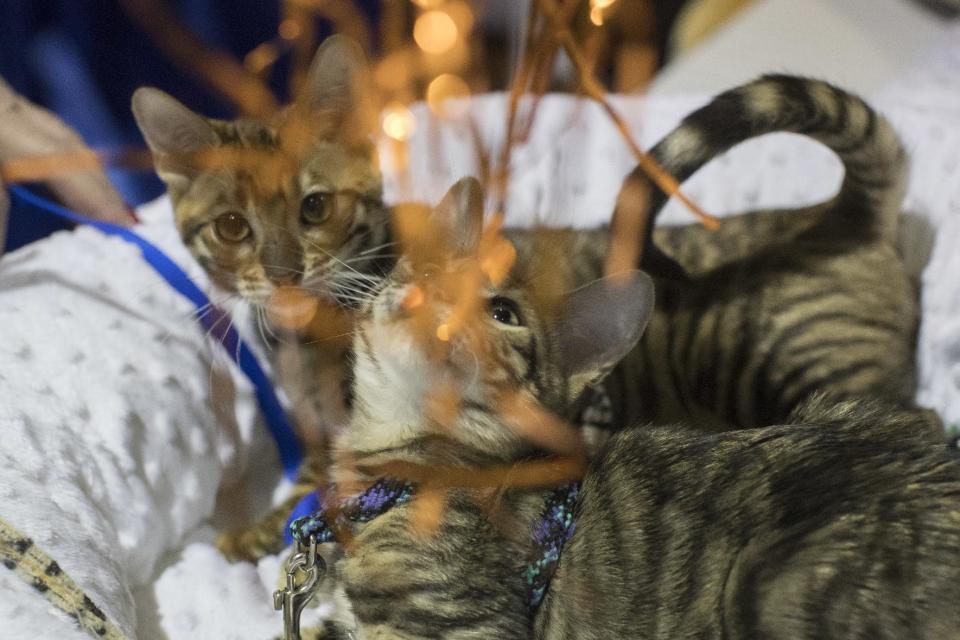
{"x": 451, "y": 335}
{"x": 296, "y": 201}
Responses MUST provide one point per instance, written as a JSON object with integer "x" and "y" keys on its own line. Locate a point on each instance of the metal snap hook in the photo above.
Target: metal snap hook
{"x": 304, "y": 570}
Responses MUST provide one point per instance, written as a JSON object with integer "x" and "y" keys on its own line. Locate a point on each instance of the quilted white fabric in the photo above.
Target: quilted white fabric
{"x": 118, "y": 423}
{"x": 121, "y": 422}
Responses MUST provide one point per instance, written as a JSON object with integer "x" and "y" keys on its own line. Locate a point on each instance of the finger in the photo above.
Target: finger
{"x": 91, "y": 194}
{"x": 27, "y": 130}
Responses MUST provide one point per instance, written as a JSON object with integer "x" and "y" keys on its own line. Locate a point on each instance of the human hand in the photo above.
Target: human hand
{"x": 64, "y": 163}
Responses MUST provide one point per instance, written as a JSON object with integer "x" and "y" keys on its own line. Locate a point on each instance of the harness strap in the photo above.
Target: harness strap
{"x": 380, "y": 497}
{"x": 552, "y": 531}
{"x": 207, "y": 314}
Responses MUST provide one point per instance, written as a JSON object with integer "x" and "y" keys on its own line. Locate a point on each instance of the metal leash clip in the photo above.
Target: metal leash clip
{"x": 304, "y": 570}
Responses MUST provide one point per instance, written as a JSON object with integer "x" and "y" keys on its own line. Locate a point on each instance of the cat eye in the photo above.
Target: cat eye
{"x": 505, "y": 311}
{"x": 232, "y": 227}
{"x": 316, "y": 207}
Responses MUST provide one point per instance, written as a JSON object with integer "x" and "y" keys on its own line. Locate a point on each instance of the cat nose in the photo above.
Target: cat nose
{"x": 282, "y": 276}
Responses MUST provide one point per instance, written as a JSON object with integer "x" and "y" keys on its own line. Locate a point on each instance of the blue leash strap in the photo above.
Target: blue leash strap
{"x": 209, "y": 316}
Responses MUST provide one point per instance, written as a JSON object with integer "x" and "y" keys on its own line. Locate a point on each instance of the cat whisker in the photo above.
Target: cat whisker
{"x": 198, "y": 314}
{"x": 338, "y": 260}
{"x": 346, "y": 290}
{"x": 346, "y": 334}
{"x": 376, "y": 248}
{"x": 359, "y": 276}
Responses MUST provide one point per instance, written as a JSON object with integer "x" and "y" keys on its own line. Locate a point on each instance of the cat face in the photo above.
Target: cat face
{"x": 448, "y": 338}
{"x": 293, "y": 202}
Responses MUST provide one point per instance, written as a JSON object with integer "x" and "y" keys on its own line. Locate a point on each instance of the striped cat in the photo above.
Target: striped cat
{"x": 779, "y": 305}
{"x": 844, "y": 524}
{"x": 296, "y": 203}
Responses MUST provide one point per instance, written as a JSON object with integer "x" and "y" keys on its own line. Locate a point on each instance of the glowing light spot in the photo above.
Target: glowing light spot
{"x": 597, "y": 7}
{"x": 413, "y": 299}
{"x": 398, "y": 122}
{"x": 435, "y": 32}
{"x": 443, "y": 333}
{"x": 428, "y": 4}
{"x": 289, "y": 29}
{"x": 446, "y": 95}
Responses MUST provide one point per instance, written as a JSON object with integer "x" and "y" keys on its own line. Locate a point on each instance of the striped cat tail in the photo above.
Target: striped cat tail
{"x": 872, "y": 155}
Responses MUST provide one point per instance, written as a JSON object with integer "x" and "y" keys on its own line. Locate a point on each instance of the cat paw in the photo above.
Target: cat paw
{"x": 242, "y": 546}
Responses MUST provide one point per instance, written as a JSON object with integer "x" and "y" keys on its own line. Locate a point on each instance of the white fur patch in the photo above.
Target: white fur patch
{"x": 763, "y": 98}
{"x": 683, "y": 145}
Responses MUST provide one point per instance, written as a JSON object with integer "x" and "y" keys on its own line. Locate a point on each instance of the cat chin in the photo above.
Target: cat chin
{"x": 394, "y": 361}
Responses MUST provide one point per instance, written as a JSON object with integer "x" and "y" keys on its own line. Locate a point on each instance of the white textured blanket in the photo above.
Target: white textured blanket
{"x": 126, "y": 436}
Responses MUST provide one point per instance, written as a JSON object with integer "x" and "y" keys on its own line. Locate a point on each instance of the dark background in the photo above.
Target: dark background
{"x": 84, "y": 58}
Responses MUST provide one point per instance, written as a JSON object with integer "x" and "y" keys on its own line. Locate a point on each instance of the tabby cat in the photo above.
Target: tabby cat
{"x": 845, "y": 524}
{"x": 773, "y": 307}
{"x": 779, "y": 305}
{"x": 296, "y": 202}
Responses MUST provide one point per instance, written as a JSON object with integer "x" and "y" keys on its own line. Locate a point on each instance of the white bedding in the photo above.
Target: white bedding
{"x": 119, "y": 421}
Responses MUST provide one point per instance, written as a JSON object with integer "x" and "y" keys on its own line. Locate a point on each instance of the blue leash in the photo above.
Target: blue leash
{"x": 210, "y": 316}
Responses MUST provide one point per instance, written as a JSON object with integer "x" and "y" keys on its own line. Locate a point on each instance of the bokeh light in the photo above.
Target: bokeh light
{"x": 289, "y": 29}
{"x": 414, "y": 299}
{"x": 435, "y": 32}
{"x": 291, "y": 308}
{"x": 597, "y": 8}
{"x": 447, "y": 95}
{"x": 398, "y": 122}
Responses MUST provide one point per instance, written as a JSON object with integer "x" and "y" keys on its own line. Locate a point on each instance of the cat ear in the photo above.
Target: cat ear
{"x": 339, "y": 79}
{"x": 602, "y": 322}
{"x": 172, "y": 132}
{"x": 460, "y": 215}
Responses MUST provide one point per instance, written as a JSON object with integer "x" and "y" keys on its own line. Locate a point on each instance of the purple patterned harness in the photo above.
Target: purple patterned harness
{"x": 554, "y": 528}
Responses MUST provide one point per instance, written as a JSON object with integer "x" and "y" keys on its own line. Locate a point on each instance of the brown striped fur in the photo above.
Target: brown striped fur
{"x": 776, "y": 305}
{"x": 264, "y": 173}
{"x": 842, "y": 524}
{"x": 779, "y": 305}
{"x": 462, "y": 581}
